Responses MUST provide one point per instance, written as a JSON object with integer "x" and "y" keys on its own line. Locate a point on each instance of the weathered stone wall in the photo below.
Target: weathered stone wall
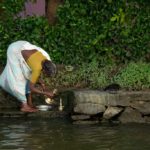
{"x": 120, "y": 106}
{"x": 90, "y": 106}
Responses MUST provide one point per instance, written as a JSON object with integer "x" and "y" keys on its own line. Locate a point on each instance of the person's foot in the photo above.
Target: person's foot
{"x": 32, "y": 106}
{"x": 26, "y": 108}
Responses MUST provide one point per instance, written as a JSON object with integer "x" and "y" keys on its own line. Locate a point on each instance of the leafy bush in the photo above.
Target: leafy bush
{"x": 31, "y": 29}
{"x": 95, "y": 36}
{"x": 104, "y": 31}
{"x": 107, "y": 31}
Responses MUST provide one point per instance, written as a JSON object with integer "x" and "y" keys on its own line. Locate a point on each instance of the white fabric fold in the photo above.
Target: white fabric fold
{"x": 16, "y": 72}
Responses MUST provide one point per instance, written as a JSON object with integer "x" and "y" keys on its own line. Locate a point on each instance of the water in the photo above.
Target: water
{"x": 55, "y": 134}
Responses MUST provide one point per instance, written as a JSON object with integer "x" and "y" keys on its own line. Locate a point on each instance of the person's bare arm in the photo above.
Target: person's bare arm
{"x": 38, "y": 91}
{"x": 42, "y": 84}
{"x": 27, "y": 53}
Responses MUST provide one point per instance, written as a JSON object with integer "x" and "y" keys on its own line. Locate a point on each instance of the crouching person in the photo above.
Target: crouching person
{"x": 25, "y": 63}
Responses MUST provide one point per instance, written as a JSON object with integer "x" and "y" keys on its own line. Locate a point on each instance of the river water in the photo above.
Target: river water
{"x": 56, "y": 134}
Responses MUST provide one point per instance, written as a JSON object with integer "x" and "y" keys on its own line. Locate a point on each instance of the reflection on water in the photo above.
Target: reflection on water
{"x": 61, "y": 135}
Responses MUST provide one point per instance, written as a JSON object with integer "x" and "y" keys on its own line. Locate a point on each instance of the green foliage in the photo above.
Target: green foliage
{"x": 134, "y": 76}
{"x": 106, "y": 31}
{"x": 87, "y": 30}
{"x": 11, "y": 7}
{"x": 95, "y": 76}
{"x": 87, "y": 75}
{"x": 32, "y": 29}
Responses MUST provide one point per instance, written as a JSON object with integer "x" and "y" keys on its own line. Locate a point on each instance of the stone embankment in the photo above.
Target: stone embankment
{"x": 88, "y": 106}
{"x": 119, "y": 106}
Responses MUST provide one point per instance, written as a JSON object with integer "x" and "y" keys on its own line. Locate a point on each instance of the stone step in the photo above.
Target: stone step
{"x": 41, "y": 114}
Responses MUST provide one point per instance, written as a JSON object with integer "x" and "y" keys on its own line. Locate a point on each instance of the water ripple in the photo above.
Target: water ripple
{"x": 55, "y": 135}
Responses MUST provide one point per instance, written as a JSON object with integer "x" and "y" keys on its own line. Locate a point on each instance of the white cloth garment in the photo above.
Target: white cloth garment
{"x": 16, "y": 72}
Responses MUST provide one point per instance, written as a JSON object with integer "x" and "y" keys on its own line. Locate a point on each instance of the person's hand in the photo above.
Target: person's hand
{"x": 49, "y": 94}
{"x": 43, "y": 86}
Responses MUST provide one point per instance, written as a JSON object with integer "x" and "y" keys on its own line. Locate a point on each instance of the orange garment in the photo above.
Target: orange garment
{"x": 34, "y": 62}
